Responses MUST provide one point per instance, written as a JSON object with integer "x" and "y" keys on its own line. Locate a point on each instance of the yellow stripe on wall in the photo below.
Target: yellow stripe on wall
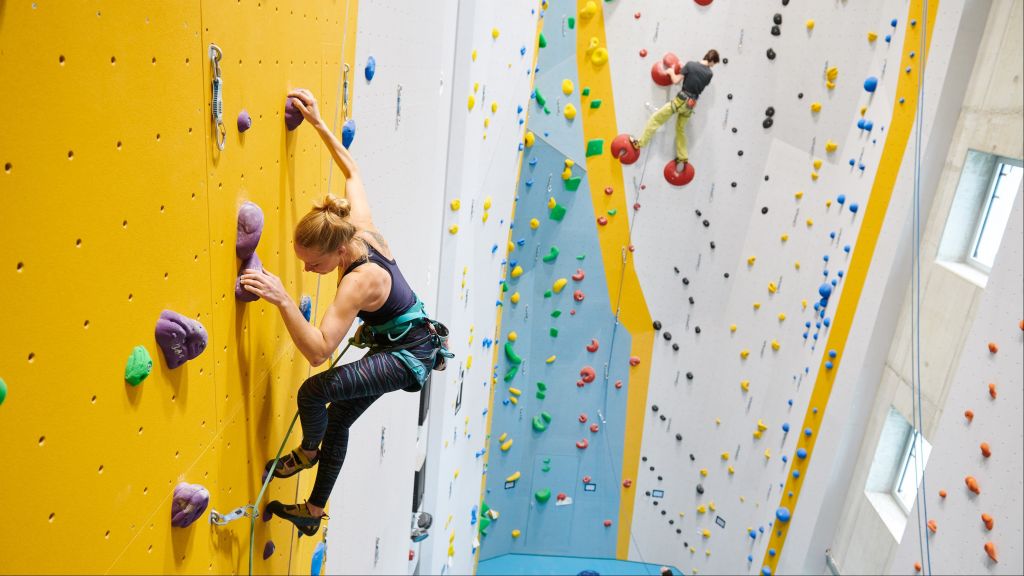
{"x": 623, "y": 284}
{"x": 881, "y": 192}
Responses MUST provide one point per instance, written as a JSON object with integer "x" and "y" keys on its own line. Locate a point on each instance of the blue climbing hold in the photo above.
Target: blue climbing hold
{"x": 782, "y": 514}
{"x": 348, "y": 132}
{"x": 753, "y": 536}
{"x": 825, "y": 290}
{"x": 808, "y": 432}
{"x": 869, "y": 125}
{"x": 841, "y": 199}
{"x": 317, "y": 562}
{"x": 371, "y": 68}
{"x": 893, "y": 22}
{"x": 827, "y": 321}
{"x": 847, "y": 250}
{"x": 790, "y": 401}
{"x": 888, "y": 38}
{"x": 766, "y": 571}
{"x": 853, "y": 162}
{"x": 832, "y": 354}
{"x": 828, "y": 365}
{"x": 772, "y": 552}
{"x": 801, "y": 453}
{"x": 871, "y": 83}
{"x": 306, "y": 307}
{"x": 854, "y": 207}
{"x": 785, "y": 427}
{"x": 861, "y": 123}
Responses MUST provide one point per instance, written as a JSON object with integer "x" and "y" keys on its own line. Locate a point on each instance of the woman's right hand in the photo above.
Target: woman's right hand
{"x": 306, "y": 103}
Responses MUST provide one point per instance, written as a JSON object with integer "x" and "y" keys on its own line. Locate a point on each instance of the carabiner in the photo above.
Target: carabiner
{"x": 216, "y": 100}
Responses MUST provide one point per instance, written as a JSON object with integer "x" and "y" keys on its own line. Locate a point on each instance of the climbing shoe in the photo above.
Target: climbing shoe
{"x": 634, "y": 142}
{"x": 290, "y": 465}
{"x": 297, "y": 514}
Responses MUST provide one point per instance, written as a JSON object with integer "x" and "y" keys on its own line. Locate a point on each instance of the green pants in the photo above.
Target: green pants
{"x": 676, "y": 106}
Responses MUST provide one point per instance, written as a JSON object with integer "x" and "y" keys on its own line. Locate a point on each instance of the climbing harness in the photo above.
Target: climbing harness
{"x": 217, "y": 98}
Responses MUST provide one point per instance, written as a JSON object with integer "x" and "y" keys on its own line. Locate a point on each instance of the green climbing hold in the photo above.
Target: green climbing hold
{"x": 510, "y": 353}
{"x": 542, "y": 386}
{"x": 546, "y": 468}
{"x": 548, "y": 294}
{"x": 571, "y": 23}
{"x": 541, "y": 101}
{"x": 3, "y": 391}
{"x": 547, "y": 460}
{"x": 547, "y": 110}
{"x": 542, "y": 496}
{"x": 140, "y": 364}
{"x": 539, "y": 424}
{"x": 553, "y": 332}
{"x": 595, "y": 104}
{"x": 613, "y": 211}
{"x": 573, "y": 184}
{"x": 551, "y": 255}
{"x": 556, "y": 313}
{"x": 542, "y": 41}
{"x": 504, "y": 286}
{"x": 484, "y": 523}
{"x": 541, "y": 395}
{"x": 546, "y": 416}
{"x": 581, "y": 257}
{"x": 557, "y": 213}
{"x": 596, "y": 146}
{"x": 511, "y": 373}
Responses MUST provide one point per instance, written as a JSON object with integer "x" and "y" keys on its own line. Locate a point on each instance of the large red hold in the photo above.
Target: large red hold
{"x": 624, "y": 150}
{"x": 676, "y": 177}
{"x": 660, "y": 69}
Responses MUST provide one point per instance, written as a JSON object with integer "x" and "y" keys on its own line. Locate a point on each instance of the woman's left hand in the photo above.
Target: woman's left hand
{"x": 265, "y": 285}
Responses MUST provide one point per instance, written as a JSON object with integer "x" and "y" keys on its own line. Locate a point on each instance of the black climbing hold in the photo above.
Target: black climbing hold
{"x": 660, "y": 478}
{"x": 691, "y": 299}
{"x": 769, "y": 111}
{"x": 735, "y": 130}
{"x": 700, "y": 489}
{"x": 733, "y": 184}
{"x": 739, "y": 153}
{"x": 654, "y": 407}
{"x": 800, "y": 95}
{"x": 712, "y": 245}
{"x": 679, "y": 437}
{"x": 662, "y": 417}
{"x": 776, "y": 31}
{"x": 675, "y": 347}
{"x": 765, "y": 177}
{"x": 689, "y": 375}
{"x": 770, "y": 54}
{"x": 785, "y": 2}
{"x": 679, "y": 530}
{"x": 652, "y": 468}
{"x": 693, "y": 458}
{"x": 696, "y": 329}
{"x": 725, "y": 60}
{"x": 706, "y": 223}
{"x": 728, "y": 96}
{"x": 697, "y": 212}
{"x": 647, "y": 493}
{"x": 663, "y": 512}
{"x": 764, "y": 209}
{"x": 777, "y": 18}
{"x": 767, "y": 123}
{"x": 643, "y": 458}
{"x": 686, "y": 281}
{"x": 655, "y": 502}
{"x": 726, "y": 274}
{"x": 657, "y": 325}
{"x": 667, "y": 335}
{"x": 670, "y": 521}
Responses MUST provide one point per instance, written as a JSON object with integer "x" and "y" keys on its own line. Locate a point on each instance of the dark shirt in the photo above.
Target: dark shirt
{"x": 696, "y": 78}
{"x": 399, "y": 300}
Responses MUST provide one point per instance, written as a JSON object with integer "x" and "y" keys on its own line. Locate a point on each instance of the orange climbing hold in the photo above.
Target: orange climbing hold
{"x": 989, "y": 522}
{"x": 972, "y": 484}
{"x": 992, "y": 347}
{"x": 942, "y": 493}
{"x": 933, "y": 526}
{"x": 986, "y": 451}
{"x": 990, "y": 549}
{"x": 969, "y": 414}
{"x": 917, "y": 566}
{"x": 992, "y": 390}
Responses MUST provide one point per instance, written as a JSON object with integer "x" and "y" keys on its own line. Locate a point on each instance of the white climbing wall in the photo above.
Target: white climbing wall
{"x": 751, "y": 239}
{"x": 401, "y": 131}
{"x": 494, "y": 50}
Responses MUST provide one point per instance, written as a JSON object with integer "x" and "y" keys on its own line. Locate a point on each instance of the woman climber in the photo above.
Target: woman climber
{"x": 695, "y": 76}
{"x": 339, "y": 234}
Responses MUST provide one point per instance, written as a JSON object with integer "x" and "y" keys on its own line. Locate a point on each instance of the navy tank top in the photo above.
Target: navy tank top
{"x": 399, "y": 300}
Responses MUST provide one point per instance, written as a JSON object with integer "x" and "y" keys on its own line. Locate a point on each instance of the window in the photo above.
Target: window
{"x": 978, "y": 216}
{"x": 896, "y": 471}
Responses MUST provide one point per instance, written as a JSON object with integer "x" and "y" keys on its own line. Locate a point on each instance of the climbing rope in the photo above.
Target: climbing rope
{"x": 924, "y": 545}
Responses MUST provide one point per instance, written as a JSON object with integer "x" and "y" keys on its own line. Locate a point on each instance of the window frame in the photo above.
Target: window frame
{"x": 981, "y": 221}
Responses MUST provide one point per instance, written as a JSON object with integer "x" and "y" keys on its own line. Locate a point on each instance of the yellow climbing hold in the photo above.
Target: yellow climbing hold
{"x": 484, "y": 216}
{"x": 487, "y": 122}
{"x": 751, "y": 260}
{"x": 469, "y": 361}
{"x": 559, "y": 284}
{"x": 516, "y": 533}
{"x": 515, "y": 298}
{"x": 453, "y": 229}
{"x": 776, "y": 345}
{"x": 701, "y": 509}
{"x": 503, "y": 436}
{"x": 517, "y": 271}
{"x": 863, "y": 110}
{"x": 599, "y": 57}
{"x": 817, "y": 163}
{"x": 472, "y": 55}
{"x": 569, "y": 163}
{"x": 830, "y": 85}
{"x": 718, "y": 421}
{"x": 810, "y": 222}
{"x": 534, "y": 223}
{"x": 711, "y": 506}
{"x": 803, "y": 303}
{"x": 528, "y": 139}
{"x": 494, "y": 107}
{"x": 831, "y": 146}
{"x": 552, "y": 203}
{"x": 495, "y": 33}
{"x": 471, "y": 102}
{"x": 506, "y": 445}
{"x": 767, "y": 454}
{"x": 455, "y": 204}
{"x": 757, "y": 434}
{"x": 515, "y": 391}
{"x": 815, "y": 106}
{"x": 745, "y": 385}
{"x": 725, "y": 456}
{"x": 732, "y": 470}
{"x": 810, "y": 24}
{"x": 487, "y": 203}
{"x": 772, "y": 288}
{"x": 761, "y": 425}
{"x": 456, "y": 473}
{"x": 799, "y": 194}
{"x": 588, "y": 10}
{"x": 784, "y": 237}
{"x": 550, "y": 359}
{"x": 567, "y": 173}
{"x": 872, "y": 36}
{"x": 511, "y": 246}
{"x": 567, "y": 86}
{"x": 757, "y": 305}
{"x": 782, "y": 316}
{"x": 512, "y": 336}
{"x": 569, "y": 111}
{"x": 744, "y": 353}
{"x": 704, "y": 472}
{"x": 814, "y": 176}
{"x": 706, "y": 534}
{"x": 828, "y": 203}
{"x": 732, "y": 328}
{"x": 832, "y": 73}
{"x": 513, "y": 477}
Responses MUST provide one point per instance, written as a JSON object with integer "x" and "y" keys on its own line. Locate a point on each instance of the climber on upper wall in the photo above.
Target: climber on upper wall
{"x": 695, "y": 76}
{"x": 339, "y": 234}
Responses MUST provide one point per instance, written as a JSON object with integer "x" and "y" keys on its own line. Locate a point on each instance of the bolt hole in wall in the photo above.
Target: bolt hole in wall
{"x": 988, "y": 186}
{"x": 896, "y": 471}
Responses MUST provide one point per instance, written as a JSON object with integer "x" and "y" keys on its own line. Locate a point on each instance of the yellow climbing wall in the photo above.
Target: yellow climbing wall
{"x": 115, "y": 205}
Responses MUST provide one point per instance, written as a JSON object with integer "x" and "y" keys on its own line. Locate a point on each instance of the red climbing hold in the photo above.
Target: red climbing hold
{"x": 677, "y": 178}
{"x": 659, "y": 71}
{"x": 942, "y": 493}
{"x": 634, "y": 360}
{"x": 627, "y": 483}
{"x": 631, "y": 248}
{"x": 580, "y": 383}
{"x": 586, "y": 479}
{"x": 608, "y": 524}
{"x": 593, "y": 346}
{"x": 602, "y": 220}
{"x": 588, "y": 374}
{"x": 703, "y": 2}
{"x": 636, "y": 15}
{"x": 594, "y": 427}
{"x": 582, "y": 444}
{"x": 561, "y": 497}
{"x": 609, "y": 190}
{"x": 577, "y": 295}
{"x": 933, "y": 526}
{"x": 583, "y": 418}
{"x": 618, "y": 384}
{"x": 579, "y": 275}
{"x": 624, "y": 150}
{"x": 636, "y": 206}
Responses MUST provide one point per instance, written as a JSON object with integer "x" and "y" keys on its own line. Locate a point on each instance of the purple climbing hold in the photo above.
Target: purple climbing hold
{"x": 268, "y": 550}
{"x": 292, "y": 115}
{"x": 244, "y": 121}
{"x": 189, "y": 503}
{"x": 250, "y": 263}
{"x": 181, "y": 338}
{"x": 250, "y": 227}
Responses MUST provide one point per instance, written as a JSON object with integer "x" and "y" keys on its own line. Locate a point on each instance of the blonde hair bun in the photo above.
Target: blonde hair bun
{"x": 335, "y": 205}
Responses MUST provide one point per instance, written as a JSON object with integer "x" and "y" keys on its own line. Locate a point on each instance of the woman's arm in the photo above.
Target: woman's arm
{"x": 354, "y": 191}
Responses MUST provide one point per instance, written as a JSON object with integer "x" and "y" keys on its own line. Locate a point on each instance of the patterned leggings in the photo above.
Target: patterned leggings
{"x": 349, "y": 389}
